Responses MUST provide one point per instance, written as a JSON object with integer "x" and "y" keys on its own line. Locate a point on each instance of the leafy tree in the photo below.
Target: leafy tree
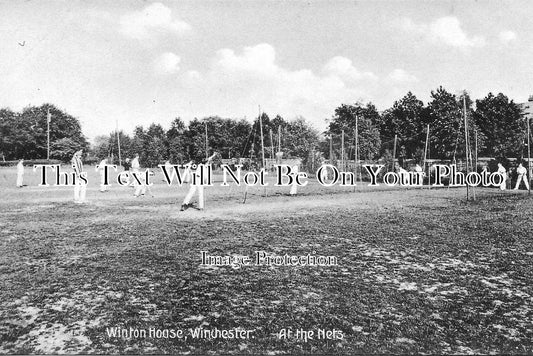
{"x": 256, "y": 136}
{"x": 278, "y": 125}
{"x": 240, "y": 132}
{"x": 301, "y": 139}
{"x": 62, "y": 125}
{"x": 125, "y": 146}
{"x": 407, "y": 118}
{"x": 100, "y": 148}
{"x": 107, "y": 146}
{"x": 17, "y": 139}
{"x": 368, "y": 119}
{"x": 138, "y": 143}
{"x": 446, "y": 114}
{"x": 229, "y": 137}
{"x": 500, "y": 121}
{"x": 176, "y": 141}
{"x": 154, "y": 152}
{"x": 196, "y": 140}
{"x": 25, "y": 134}
{"x": 64, "y": 148}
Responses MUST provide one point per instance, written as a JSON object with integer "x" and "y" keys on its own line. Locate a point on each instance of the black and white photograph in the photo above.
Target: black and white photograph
{"x": 266, "y": 177}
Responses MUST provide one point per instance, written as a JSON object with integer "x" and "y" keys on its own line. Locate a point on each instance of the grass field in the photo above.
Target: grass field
{"x": 419, "y": 270}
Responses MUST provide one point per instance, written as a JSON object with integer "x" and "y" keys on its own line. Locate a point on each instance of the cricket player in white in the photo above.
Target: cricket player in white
{"x": 197, "y": 186}
{"x": 141, "y": 189}
{"x": 100, "y": 167}
{"x": 324, "y": 171}
{"x": 79, "y": 185}
{"x": 503, "y": 172}
{"x": 20, "y": 173}
{"x": 187, "y": 176}
{"x": 135, "y": 166}
{"x": 522, "y": 175}
{"x": 294, "y": 187}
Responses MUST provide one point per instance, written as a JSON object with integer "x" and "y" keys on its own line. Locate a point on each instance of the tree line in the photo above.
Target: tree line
{"x": 495, "y": 124}
{"x": 231, "y": 138}
{"x": 24, "y": 134}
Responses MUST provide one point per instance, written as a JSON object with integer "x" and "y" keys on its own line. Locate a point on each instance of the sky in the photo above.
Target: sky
{"x": 129, "y": 63}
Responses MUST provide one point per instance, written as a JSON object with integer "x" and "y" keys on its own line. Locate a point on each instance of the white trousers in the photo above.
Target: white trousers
{"x": 522, "y": 177}
{"x": 139, "y": 189}
{"x": 294, "y": 189}
{"x": 190, "y": 194}
{"x": 103, "y": 187}
{"x": 79, "y": 191}
{"x": 324, "y": 175}
{"x": 503, "y": 186}
{"x": 20, "y": 178}
{"x": 133, "y": 181}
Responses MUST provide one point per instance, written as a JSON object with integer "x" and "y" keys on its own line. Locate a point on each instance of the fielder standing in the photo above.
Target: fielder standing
{"x": 135, "y": 166}
{"x": 20, "y": 173}
{"x": 522, "y": 175}
{"x": 294, "y": 187}
{"x": 101, "y": 168}
{"x": 141, "y": 189}
{"x": 503, "y": 172}
{"x": 80, "y": 185}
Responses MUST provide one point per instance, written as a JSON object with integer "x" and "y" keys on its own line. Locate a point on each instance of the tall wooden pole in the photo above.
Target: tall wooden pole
{"x": 466, "y": 143}
{"x": 206, "y": 145}
{"x": 271, "y": 145}
{"x": 355, "y": 153}
{"x": 394, "y": 152}
{"x": 279, "y": 138}
{"x": 118, "y": 143}
{"x": 357, "y": 148}
{"x": 331, "y": 148}
{"x": 475, "y": 148}
{"x": 425, "y": 155}
{"x": 262, "y": 139}
{"x": 528, "y": 157}
{"x": 48, "y": 117}
{"x": 342, "y": 151}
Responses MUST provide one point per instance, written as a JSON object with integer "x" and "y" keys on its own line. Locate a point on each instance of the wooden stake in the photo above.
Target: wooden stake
{"x": 271, "y": 145}
{"x": 394, "y": 152}
{"x": 466, "y": 143}
{"x": 357, "y": 158}
{"x": 355, "y": 154}
{"x": 475, "y": 152}
{"x": 331, "y": 148}
{"x": 206, "y": 146}
{"x": 342, "y": 151}
{"x": 262, "y": 139}
{"x": 118, "y": 143}
{"x": 262, "y": 142}
{"x": 279, "y": 138}
{"x": 425, "y": 156}
{"x": 528, "y": 156}
{"x": 48, "y": 117}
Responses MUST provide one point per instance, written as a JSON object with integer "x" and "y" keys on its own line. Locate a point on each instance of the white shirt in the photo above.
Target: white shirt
{"x": 502, "y": 171}
{"x": 135, "y": 163}
{"x": 77, "y": 164}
